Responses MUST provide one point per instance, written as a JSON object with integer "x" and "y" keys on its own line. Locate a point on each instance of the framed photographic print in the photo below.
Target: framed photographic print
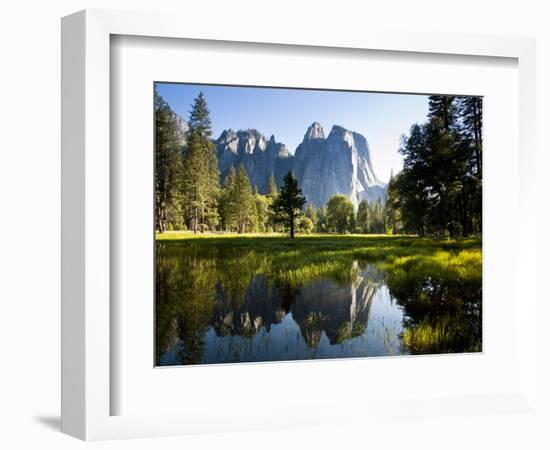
{"x": 245, "y": 212}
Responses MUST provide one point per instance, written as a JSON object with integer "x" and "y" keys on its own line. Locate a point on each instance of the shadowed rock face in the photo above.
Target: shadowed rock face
{"x": 260, "y": 157}
{"x": 339, "y": 163}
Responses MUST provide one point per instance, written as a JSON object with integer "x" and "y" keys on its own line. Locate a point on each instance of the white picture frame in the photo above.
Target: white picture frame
{"x": 87, "y": 386}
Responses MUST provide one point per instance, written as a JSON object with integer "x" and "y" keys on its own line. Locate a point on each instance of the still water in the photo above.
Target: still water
{"x": 234, "y": 306}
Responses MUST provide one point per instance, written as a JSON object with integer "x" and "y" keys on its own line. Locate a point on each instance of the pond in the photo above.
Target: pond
{"x": 227, "y": 305}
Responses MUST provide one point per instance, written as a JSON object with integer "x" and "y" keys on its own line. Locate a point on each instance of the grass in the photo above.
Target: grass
{"x": 436, "y": 280}
{"x": 317, "y": 255}
{"x": 322, "y": 242}
{"x": 445, "y": 336}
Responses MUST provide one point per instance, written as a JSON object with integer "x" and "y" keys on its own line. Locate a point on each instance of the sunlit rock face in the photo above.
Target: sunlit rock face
{"x": 260, "y": 157}
{"x": 337, "y": 164}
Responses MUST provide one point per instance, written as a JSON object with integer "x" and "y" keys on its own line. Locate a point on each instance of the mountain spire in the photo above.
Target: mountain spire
{"x": 315, "y": 131}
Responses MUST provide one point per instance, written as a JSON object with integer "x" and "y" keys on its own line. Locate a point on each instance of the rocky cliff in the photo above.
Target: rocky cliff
{"x": 339, "y": 163}
{"x": 261, "y": 157}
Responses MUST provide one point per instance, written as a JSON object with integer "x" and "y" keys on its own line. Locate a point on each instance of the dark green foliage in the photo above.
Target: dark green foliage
{"x": 340, "y": 214}
{"x": 289, "y": 203}
{"x": 392, "y": 212}
{"x": 363, "y": 217}
{"x": 168, "y": 167}
{"x": 200, "y": 177}
{"x": 377, "y": 225}
{"x": 199, "y": 117}
{"x": 439, "y": 190}
{"x": 239, "y": 210}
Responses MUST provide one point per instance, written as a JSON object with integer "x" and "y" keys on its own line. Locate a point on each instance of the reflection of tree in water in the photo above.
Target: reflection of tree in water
{"x": 240, "y": 292}
{"x": 442, "y": 310}
{"x": 185, "y": 293}
{"x": 231, "y": 293}
{"x": 338, "y": 309}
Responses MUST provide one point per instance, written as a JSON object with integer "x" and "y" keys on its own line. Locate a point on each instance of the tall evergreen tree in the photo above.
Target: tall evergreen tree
{"x": 439, "y": 190}
{"x": 227, "y": 204}
{"x": 470, "y": 110}
{"x": 392, "y": 215}
{"x": 201, "y": 174}
{"x": 471, "y": 115}
{"x": 378, "y": 217}
{"x": 289, "y": 203}
{"x": 238, "y": 205}
{"x": 443, "y": 109}
{"x": 364, "y": 217}
{"x": 199, "y": 117}
{"x": 245, "y": 205}
{"x": 168, "y": 165}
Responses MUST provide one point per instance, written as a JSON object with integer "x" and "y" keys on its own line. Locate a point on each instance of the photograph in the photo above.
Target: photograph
{"x": 309, "y": 224}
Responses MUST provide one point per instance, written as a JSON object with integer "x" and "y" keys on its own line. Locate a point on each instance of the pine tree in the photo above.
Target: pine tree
{"x": 471, "y": 116}
{"x": 442, "y": 108}
{"x": 200, "y": 180}
{"x": 439, "y": 189}
{"x": 364, "y": 217}
{"x": 378, "y": 218}
{"x": 470, "y": 110}
{"x": 168, "y": 165}
{"x": 244, "y": 203}
{"x": 227, "y": 204}
{"x": 199, "y": 117}
{"x": 391, "y": 208}
{"x": 289, "y": 203}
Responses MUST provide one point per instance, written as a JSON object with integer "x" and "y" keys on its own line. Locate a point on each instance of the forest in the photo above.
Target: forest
{"x": 438, "y": 192}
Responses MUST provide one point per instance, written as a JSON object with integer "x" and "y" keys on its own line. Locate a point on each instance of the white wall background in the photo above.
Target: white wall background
{"x": 30, "y": 221}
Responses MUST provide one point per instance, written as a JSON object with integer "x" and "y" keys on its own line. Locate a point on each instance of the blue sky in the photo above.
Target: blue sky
{"x": 287, "y": 113}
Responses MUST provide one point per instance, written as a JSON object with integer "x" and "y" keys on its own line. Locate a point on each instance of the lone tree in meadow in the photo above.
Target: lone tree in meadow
{"x": 288, "y": 205}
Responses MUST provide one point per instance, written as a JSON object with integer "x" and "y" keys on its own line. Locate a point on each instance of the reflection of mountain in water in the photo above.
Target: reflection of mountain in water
{"x": 341, "y": 310}
{"x": 323, "y": 319}
{"x": 215, "y": 306}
